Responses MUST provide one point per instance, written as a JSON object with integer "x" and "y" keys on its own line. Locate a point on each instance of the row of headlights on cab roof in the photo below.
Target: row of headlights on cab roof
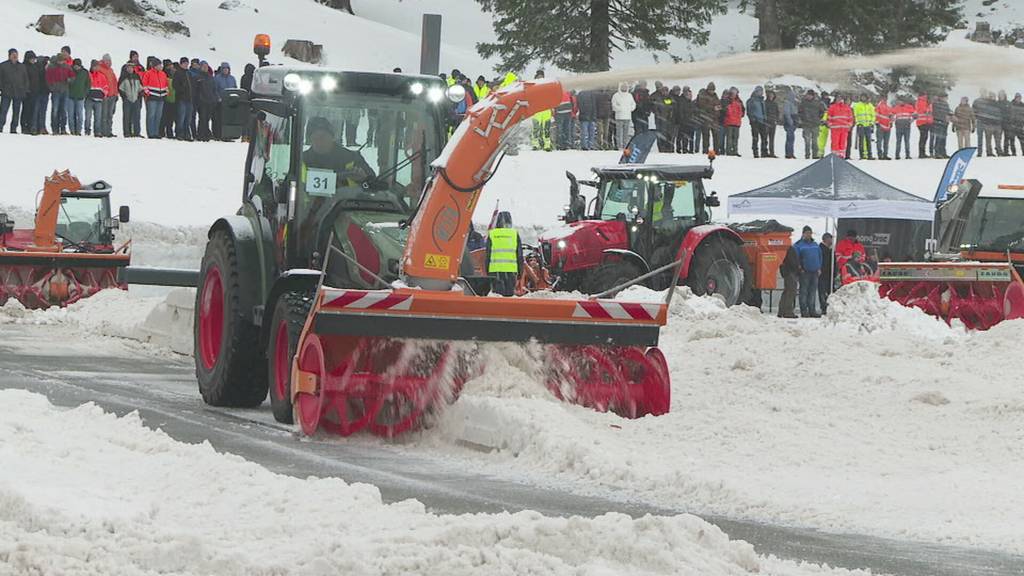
{"x": 295, "y": 83}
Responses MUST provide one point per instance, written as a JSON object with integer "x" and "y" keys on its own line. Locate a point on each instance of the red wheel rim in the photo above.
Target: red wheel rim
{"x": 309, "y": 407}
{"x": 211, "y": 318}
{"x": 282, "y": 363}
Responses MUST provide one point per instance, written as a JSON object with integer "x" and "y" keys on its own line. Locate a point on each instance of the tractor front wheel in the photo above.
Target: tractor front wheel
{"x": 230, "y": 365}
{"x": 609, "y": 275}
{"x": 720, "y": 267}
{"x": 289, "y": 318}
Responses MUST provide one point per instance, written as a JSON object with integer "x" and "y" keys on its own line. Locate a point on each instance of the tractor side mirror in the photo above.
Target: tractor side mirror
{"x": 124, "y": 214}
{"x": 712, "y": 200}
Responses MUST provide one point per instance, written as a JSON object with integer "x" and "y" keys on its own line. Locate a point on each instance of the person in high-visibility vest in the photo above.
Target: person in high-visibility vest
{"x": 541, "y": 136}
{"x": 481, "y": 89}
{"x": 883, "y": 119}
{"x": 840, "y": 122}
{"x": 504, "y": 255}
{"x": 823, "y": 132}
{"x": 864, "y": 115}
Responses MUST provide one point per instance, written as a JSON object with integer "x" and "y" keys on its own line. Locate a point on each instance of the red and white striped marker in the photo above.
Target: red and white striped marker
{"x": 616, "y": 310}
{"x": 366, "y": 300}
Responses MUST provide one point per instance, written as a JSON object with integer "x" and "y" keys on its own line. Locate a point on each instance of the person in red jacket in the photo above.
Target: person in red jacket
{"x": 110, "y": 101}
{"x": 94, "y": 100}
{"x": 846, "y": 247}
{"x": 154, "y": 89}
{"x": 840, "y": 122}
{"x": 883, "y": 119}
{"x": 732, "y": 121}
{"x": 923, "y": 112}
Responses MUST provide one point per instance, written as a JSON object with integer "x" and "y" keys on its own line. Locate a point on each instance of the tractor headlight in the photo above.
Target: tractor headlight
{"x": 328, "y": 83}
{"x": 292, "y": 82}
{"x": 305, "y": 87}
{"x": 435, "y": 94}
{"x": 456, "y": 93}
{"x": 416, "y": 88}
{"x": 561, "y": 244}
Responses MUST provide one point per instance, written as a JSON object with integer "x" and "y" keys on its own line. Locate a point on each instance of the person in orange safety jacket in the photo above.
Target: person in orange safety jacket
{"x": 840, "y": 122}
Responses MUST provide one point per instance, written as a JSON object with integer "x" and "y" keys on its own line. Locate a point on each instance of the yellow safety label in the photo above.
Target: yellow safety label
{"x": 437, "y": 261}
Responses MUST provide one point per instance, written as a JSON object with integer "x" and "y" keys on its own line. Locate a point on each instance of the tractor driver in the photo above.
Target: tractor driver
{"x": 325, "y": 153}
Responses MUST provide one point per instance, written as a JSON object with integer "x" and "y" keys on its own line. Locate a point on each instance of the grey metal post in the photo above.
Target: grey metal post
{"x": 430, "y": 45}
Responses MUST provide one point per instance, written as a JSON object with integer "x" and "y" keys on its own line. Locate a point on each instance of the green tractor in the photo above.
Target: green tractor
{"x": 336, "y": 164}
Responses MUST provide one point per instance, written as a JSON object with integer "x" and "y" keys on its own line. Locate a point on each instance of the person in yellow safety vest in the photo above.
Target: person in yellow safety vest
{"x": 325, "y": 154}
{"x": 510, "y": 79}
{"x": 454, "y": 77}
{"x": 864, "y": 115}
{"x": 541, "y": 136}
{"x": 504, "y": 255}
{"x": 481, "y": 89}
{"x": 823, "y": 132}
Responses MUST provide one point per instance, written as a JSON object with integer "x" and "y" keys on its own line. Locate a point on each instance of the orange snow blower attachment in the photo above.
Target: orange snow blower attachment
{"x": 382, "y": 359}
{"x": 69, "y": 254}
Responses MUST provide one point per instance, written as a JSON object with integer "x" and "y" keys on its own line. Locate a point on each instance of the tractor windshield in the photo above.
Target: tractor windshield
{"x": 80, "y": 220}
{"x": 996, "y": 224}
{"x": 367, "y": 151}
{"x": 622, "y": 198}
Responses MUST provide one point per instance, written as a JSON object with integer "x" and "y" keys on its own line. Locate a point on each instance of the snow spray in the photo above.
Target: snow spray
{"x": 979, "y": 64}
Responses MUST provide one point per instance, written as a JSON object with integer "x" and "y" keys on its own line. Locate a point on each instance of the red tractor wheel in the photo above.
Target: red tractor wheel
{"x": 286, "y": 326}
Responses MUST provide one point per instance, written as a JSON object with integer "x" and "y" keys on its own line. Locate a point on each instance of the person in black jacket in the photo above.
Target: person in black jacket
{"x": 586, "y": 101}
{"x": 686, "y": 121}
{"x": 825, "y": 279}
{"x": 247, "y": 77}
{"x": 183, "y": 99}
{"x": 604, "y": 120}
{"x": 13, "y": 89}
{"x": 772, "y": 115}
{"x": 207, "y": 96}
{"x": 790, "y": 271}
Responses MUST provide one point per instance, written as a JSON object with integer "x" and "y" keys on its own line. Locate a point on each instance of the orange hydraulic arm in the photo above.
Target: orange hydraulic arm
{"x": 44, "y": 237}
{"x": 437, "y": 237}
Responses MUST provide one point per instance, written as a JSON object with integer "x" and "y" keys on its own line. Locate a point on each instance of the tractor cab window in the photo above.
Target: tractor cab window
{"x": 674, "y": 201}
{"x": 369, "y": 152}
{"x": 271, "y": 159}
{"x": 621, "y": 198}
{"x": 80, "y": 220}
{"x": 994, "y": 224}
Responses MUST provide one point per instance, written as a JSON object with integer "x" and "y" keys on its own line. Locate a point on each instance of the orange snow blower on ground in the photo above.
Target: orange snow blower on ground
{"x": 70, "y": 253}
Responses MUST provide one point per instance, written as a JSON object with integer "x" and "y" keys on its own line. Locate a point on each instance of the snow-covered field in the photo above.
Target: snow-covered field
{"x": 118, "y": 498}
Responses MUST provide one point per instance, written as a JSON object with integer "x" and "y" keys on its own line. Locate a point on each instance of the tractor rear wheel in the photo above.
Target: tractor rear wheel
{"x": 230, "y": 365}
{"x": 289, "y": 318}
{"x": 720, "y": 267}
{"x": 609, "y": 275}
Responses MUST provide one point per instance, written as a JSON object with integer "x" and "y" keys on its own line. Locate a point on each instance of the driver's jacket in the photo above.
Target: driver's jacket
{"x": 339, "y": 159}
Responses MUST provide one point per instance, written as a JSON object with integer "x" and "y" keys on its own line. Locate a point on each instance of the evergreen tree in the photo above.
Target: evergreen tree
{"x": 854, "y": 27}
{"x": 580, "y": 35}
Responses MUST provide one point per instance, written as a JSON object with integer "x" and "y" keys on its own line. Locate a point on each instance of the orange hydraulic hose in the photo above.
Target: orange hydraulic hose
{"x": 437, "y": 237}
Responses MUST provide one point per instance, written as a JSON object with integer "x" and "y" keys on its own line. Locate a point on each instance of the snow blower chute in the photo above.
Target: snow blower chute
{"x": 381, "y": 359}
{"x": 70, "y": 253}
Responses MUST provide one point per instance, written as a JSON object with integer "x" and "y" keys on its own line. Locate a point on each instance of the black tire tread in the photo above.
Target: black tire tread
{"x": 608, "y": 275}
{"x": 297, "y": 305}
{"x": 243, "y": 382}
{"x": 705, "y": 257}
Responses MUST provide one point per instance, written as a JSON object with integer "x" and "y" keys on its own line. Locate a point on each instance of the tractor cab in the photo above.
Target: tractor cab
{"x": 85, "y": 221}
{"x": 337, "y": 162}
{"x": 638, "y": 214}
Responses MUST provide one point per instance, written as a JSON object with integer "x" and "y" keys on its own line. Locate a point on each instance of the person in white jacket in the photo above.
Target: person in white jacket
{"x": 623, "y": 106}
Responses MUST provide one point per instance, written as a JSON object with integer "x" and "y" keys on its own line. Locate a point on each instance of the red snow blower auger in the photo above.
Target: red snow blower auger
{"x": 382, "y": 359}
{"x": 70, "y": 253}
{"x": 974, "y": 275}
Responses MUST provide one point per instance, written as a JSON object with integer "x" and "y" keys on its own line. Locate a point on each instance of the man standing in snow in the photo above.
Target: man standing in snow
{"x": 840, "y": 122}
{"x": 1016, "y": 131}
{"x": 903, "y": 118}
{"x": 811, "y": 111}
{"x": 13, "y": 89}
{"x": 110, "y": 101}
{"x": 758, "y": 123}
{"x": 129, "y": 85}
{"x": 184, "y": 100}
{"x": 827, "y": 266}
{"x": 810, "y": 271}
{"x": 709, "y": 107}
{"x": 587, "y": 103}
{"x": 686, "y": 122}
{"x": 790, "y": 271}
{"x": 964, "y": 123}
{"x": 732, "y": 119}
{"x": 58, "y": 79}
{"x": 604, "y": 120}
{"x": 924, "y": 119}
{"x": 941, "y": 115}
{"x": 223, "y": 81}
{"x": 790, "y": 122}
{"x": 864, "y": 115}
{"x": 154, "y": 85}
{"x": 623, "y": 106}
{"x": 883, "y": 119}
{"x": 772, "y": 115}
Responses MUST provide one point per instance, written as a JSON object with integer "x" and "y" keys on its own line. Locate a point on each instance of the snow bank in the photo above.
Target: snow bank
{"x": 879, "y": 421}
{"x": 118, "y": 498}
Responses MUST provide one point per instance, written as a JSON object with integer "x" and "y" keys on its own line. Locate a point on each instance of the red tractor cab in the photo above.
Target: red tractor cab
{"x": 641, "y": 218}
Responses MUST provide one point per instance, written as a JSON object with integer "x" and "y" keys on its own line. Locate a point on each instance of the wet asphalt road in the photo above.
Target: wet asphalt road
{"x": 162, "y": 389}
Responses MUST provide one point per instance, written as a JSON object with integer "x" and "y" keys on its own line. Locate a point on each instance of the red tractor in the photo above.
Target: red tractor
{"x": 642, "y": 218}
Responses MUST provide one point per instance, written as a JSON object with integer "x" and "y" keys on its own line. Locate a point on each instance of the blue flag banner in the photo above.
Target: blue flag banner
{"x": 639, "y": 147}
{"x": 955, "y": 169}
